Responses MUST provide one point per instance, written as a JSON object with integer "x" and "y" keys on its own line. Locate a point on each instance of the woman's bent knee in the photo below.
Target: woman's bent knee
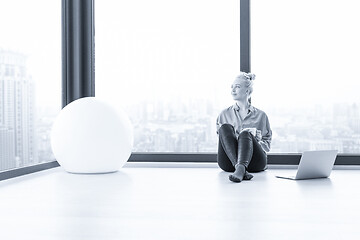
{"x": 245, "y": 134}
{"x": 226, "y": 128}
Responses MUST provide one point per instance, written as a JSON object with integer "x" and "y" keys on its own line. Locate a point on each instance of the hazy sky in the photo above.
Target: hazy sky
{"x": 302, "y": 51}
{"x": 166, "y": 49}
{"x": 34, "y": 29}
{"x": 306, "y": 51}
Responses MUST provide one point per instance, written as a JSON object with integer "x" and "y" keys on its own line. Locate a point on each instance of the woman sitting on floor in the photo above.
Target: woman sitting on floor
{"x": 244, "y": 133}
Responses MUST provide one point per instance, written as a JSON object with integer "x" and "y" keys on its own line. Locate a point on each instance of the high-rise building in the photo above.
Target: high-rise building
{"x": 7, "y": 149}
{"x": 17, "y": 107}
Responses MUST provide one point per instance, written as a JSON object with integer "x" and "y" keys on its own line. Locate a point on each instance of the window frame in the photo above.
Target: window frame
{"x": 78, "y": 80}
{"x": 273, "y": 158}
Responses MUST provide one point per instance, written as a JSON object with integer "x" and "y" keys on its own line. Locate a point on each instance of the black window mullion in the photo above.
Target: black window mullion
{"x": 78, "y": 77}
{"x": 245, "y": 65}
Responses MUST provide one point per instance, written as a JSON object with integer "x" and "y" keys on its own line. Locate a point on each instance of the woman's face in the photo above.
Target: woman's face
{"x": 238, "y": 90}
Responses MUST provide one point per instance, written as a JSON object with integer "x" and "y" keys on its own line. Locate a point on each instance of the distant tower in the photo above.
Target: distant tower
{"x": 17, "y": 110}
{"x": 7, "y": 148}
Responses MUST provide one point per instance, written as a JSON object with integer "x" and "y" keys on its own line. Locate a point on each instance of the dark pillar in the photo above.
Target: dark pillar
{"x": 245, "y": 63}
{"x": 78, "y": 49}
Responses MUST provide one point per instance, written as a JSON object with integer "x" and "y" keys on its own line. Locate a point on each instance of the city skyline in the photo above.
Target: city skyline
{"x": 17, "y": 112}
{"x": 24, "y": 125}
{"x": 176, "y": 125}
{"x": 158, "y": 128}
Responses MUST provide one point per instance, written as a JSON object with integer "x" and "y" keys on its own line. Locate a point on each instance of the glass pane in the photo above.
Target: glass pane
{"x": 170, "y": 64}
{"x": 30, "y": 80}
{"x": 306, "y": 56}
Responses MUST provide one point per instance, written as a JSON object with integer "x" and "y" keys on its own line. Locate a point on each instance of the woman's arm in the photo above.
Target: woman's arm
{"x": 265, "y": 141}
{"x": 218, "y": 124}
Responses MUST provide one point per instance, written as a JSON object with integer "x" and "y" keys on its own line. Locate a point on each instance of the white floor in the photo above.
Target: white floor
{"x": 197, "y": 202}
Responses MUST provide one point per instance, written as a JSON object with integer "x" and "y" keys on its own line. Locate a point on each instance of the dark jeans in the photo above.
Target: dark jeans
{"x": 244, "y": 150}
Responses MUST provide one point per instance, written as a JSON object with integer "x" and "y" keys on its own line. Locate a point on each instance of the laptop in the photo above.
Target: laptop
{"x": 314, "y": 164}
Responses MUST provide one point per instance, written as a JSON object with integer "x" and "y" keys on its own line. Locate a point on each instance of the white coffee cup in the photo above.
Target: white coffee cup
{"x": 250, "y": 130}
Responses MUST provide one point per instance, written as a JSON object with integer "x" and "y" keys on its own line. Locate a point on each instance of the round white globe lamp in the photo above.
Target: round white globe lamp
{"x": 91, "y": 136}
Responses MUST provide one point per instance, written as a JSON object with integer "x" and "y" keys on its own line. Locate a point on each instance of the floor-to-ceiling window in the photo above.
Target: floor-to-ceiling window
{"x": 306, "y": 55}
{"x": 170, "y": 64}
{"x": 30, "y": 80}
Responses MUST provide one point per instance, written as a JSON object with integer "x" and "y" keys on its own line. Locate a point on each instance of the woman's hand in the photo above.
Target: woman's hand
{"x": 258, "y": 136}
{"x": 250, "y": 130}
